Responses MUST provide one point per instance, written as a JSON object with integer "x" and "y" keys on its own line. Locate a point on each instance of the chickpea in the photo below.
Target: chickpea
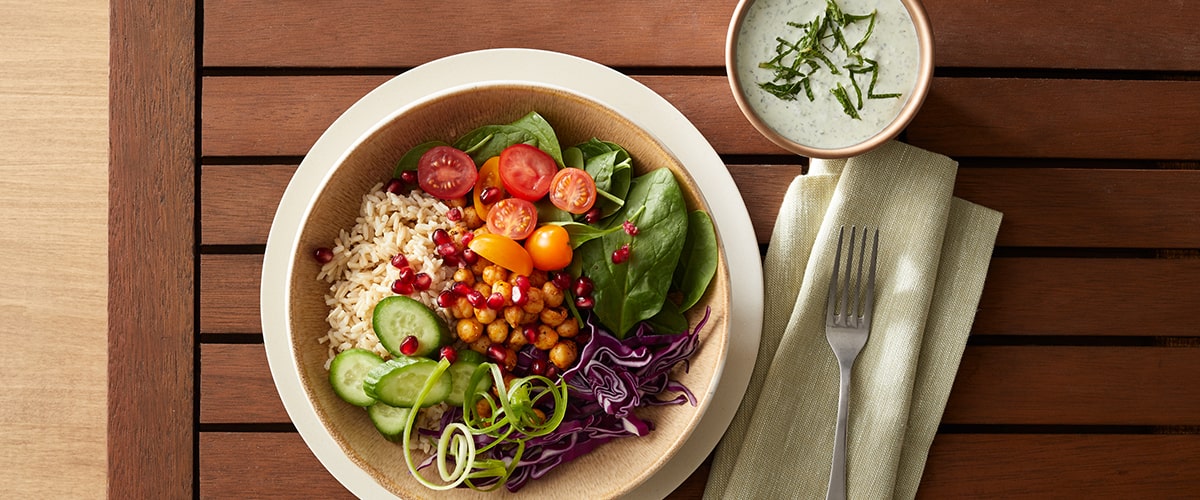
{"x": 564, "y": 354}
{"x": 480, "y": 345}
{"x": 539, "y": 416}
{"x": 497, "y": 332}
{"x": 510, "y": 362}
{"x": 553, "y": 316}
{"x": 538, "y": 278}
{"x": 483, "y": 409}
{"x": 494, "y": 273}
{"x": 457, "y": 202}
{"x": 546, "y": 338}
{"x": 528, "y": 317}
{"x": 503, "y": 288}
{"x": 514, "y": 315}
{"x": 465, "y": 276}
{"x": 485, "y": 315}
{"x": 568, "y": 329}
{"x": 469, "y": 329}
{"x": 471, "y": 217}
{"x": 517, "y": 338}
{"x": 536, "y": 303}
{"x": 480, "y": 265}
{"x": 462, "y": 309}
{"x": 483, "y": 288}
{"x": 551, "y": 295}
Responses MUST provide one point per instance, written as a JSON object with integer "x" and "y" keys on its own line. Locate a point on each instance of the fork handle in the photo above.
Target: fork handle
{"x": 837, "y": 474}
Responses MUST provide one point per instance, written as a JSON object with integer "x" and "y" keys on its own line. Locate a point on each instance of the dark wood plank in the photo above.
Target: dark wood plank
{"x": 1037, "y": 466}
{"x": 151, "y": 192}
{"x": 1076, "y": 385}
{"x": 1043, "y": 207}
{"x": 328, "y": 34}
{"x": 1022, "y": 296}
{"x": 1059, "y": 118}
{"x": 962, "y": 117}
{"x": 333, "y": 33}
{"x": 236, "y": 386}
{"x": 959, "y": 465}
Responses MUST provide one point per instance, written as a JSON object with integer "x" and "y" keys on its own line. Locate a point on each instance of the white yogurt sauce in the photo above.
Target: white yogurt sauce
{"x": 822, "y": 123}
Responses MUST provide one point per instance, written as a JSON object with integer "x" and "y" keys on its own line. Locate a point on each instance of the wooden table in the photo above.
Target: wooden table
{"x": 1078, "y": 121}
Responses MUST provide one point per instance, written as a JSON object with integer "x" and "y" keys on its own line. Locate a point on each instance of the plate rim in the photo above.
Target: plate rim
{"x": 619, "y": 92}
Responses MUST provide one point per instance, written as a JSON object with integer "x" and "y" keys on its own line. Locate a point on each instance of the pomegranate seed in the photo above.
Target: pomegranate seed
{"x": 409, "y": 345}
{"x": 422, "y": 281}
{"x": 446, "y": 299}
{"x": 561, "y": 280}
{"x": 520, "y": 296}
{"x": 592, "y": 216}
{"x": 469, "y": 256}
{"x": 531, "y": 334}
{"x": 522, "y": 281}
{"x": 629, "y": 228}
{"x": 441, "y": 237}
{"x": 551, "y": 371}
{"x": 537, "y": 367}
{"x": 584, "y": 302}
{"x": 448, "y": 353}
{"x": 454, "y": 214}
{"x": 461, "y": 288}
{"x": 323, "y": 255}
{"x": 476, "y": 299}
{"x": 583, "y": 286}
{"x": 406, "y": 275}
{"x": 621, "y": 255}
{"x": 447, "y": 250}
{"x": 495, "y": 301}
{"x": 453, "y": 261}
{"x": 467, "y": 237}
{"x": 409, "y": 176}
{"x": 399, "y": 261}
{"x": 402, "y": 288}
{"x": 394, "y": 186}
{"x": 489, "y": 195}
{"x": 496, "y": 353}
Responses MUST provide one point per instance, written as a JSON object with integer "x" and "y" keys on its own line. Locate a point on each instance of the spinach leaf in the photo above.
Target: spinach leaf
{"x": 669, "y": 320}
{"x": 549, "y": 214}
{"x": 698, "y": 262}
{"x": 611, "y": 167}
{"x": 413, "y": 156}
{"x": 583, "y": 233}
{"x": 635, "y": 290}
{"x": 489, "y": 140}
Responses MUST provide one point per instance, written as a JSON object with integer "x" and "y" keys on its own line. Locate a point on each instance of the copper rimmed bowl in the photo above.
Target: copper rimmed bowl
{"x": 342, "y": 434}
{"x": 900, "y": 41}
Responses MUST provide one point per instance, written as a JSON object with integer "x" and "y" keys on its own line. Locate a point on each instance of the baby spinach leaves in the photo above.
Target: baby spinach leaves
{"x": 489, "y": 140}
{"x": 698, "y": 262}
{"x": 609, "y": 165}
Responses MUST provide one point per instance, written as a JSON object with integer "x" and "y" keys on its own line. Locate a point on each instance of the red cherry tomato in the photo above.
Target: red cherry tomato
{"x": 446, "y": 172}
{"x": 526, "y": 171}
{"x": 550, "y": 247}
{"x": 573, "y": 190}
{"x": 489, "y": 177}
{"x": 512, "y": 217}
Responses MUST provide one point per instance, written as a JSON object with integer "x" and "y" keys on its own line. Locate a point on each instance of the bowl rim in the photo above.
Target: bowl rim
{"x": 920, "y": 89}
{"x": 601, "y": 83}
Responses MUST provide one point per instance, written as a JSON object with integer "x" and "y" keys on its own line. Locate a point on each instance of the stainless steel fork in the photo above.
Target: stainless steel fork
{"x": 847, "y": 325}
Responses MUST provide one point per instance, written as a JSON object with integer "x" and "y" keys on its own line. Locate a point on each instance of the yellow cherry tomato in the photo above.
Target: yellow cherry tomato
{"x": 550, "y": 247}
{"x": 489, "y": 177}
{"x": 502, "y": 251}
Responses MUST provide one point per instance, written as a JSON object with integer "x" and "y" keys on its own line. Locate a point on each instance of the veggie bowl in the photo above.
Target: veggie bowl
{"x": 405, "y": 159}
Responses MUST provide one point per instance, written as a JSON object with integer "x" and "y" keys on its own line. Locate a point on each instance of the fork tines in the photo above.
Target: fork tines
{"x": 853, "y": 306}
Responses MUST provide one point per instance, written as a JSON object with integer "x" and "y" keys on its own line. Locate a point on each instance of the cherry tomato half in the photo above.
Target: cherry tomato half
{"x": 526, "y": 171}
{"x": 502, "y": 251}
{"x": 513, "y": 218}
{"x": 489, "y": 176}
{"x": 446, "y": 172}
{"x": 550, "y": 247}
{"x": 573, "y": 190}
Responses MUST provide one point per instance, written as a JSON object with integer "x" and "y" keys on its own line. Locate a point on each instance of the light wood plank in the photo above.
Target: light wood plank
{"x": 328, "y": 33}
{"x": 962, "y": 117}
{"x": 151, "y": 330}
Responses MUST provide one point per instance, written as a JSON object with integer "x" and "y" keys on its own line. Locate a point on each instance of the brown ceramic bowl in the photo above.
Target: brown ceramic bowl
{"x": 805, "y": 127}
{"x": 612, "y": 469}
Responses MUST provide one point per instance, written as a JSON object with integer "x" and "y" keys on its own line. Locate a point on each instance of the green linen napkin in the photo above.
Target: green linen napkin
{"x": 934, "y": 252}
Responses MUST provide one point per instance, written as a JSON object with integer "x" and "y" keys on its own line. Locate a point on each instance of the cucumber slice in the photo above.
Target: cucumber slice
{"x": 397, "y": 317}
{"x": 389, "y": 420}
{"x": 398, "y": 382}
{"x": 346, "y": 374}
{"x": 460, "y": 376}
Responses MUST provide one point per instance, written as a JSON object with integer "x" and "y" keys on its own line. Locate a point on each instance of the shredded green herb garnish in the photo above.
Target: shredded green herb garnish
{"x": 795, "y": 62}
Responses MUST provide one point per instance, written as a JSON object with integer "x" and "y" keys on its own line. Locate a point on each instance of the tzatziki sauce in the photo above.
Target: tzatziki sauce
{"x": 822, "y": 123}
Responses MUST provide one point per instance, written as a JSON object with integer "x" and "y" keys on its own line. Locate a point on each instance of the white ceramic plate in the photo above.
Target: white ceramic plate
{"x": 634, "y": 100}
